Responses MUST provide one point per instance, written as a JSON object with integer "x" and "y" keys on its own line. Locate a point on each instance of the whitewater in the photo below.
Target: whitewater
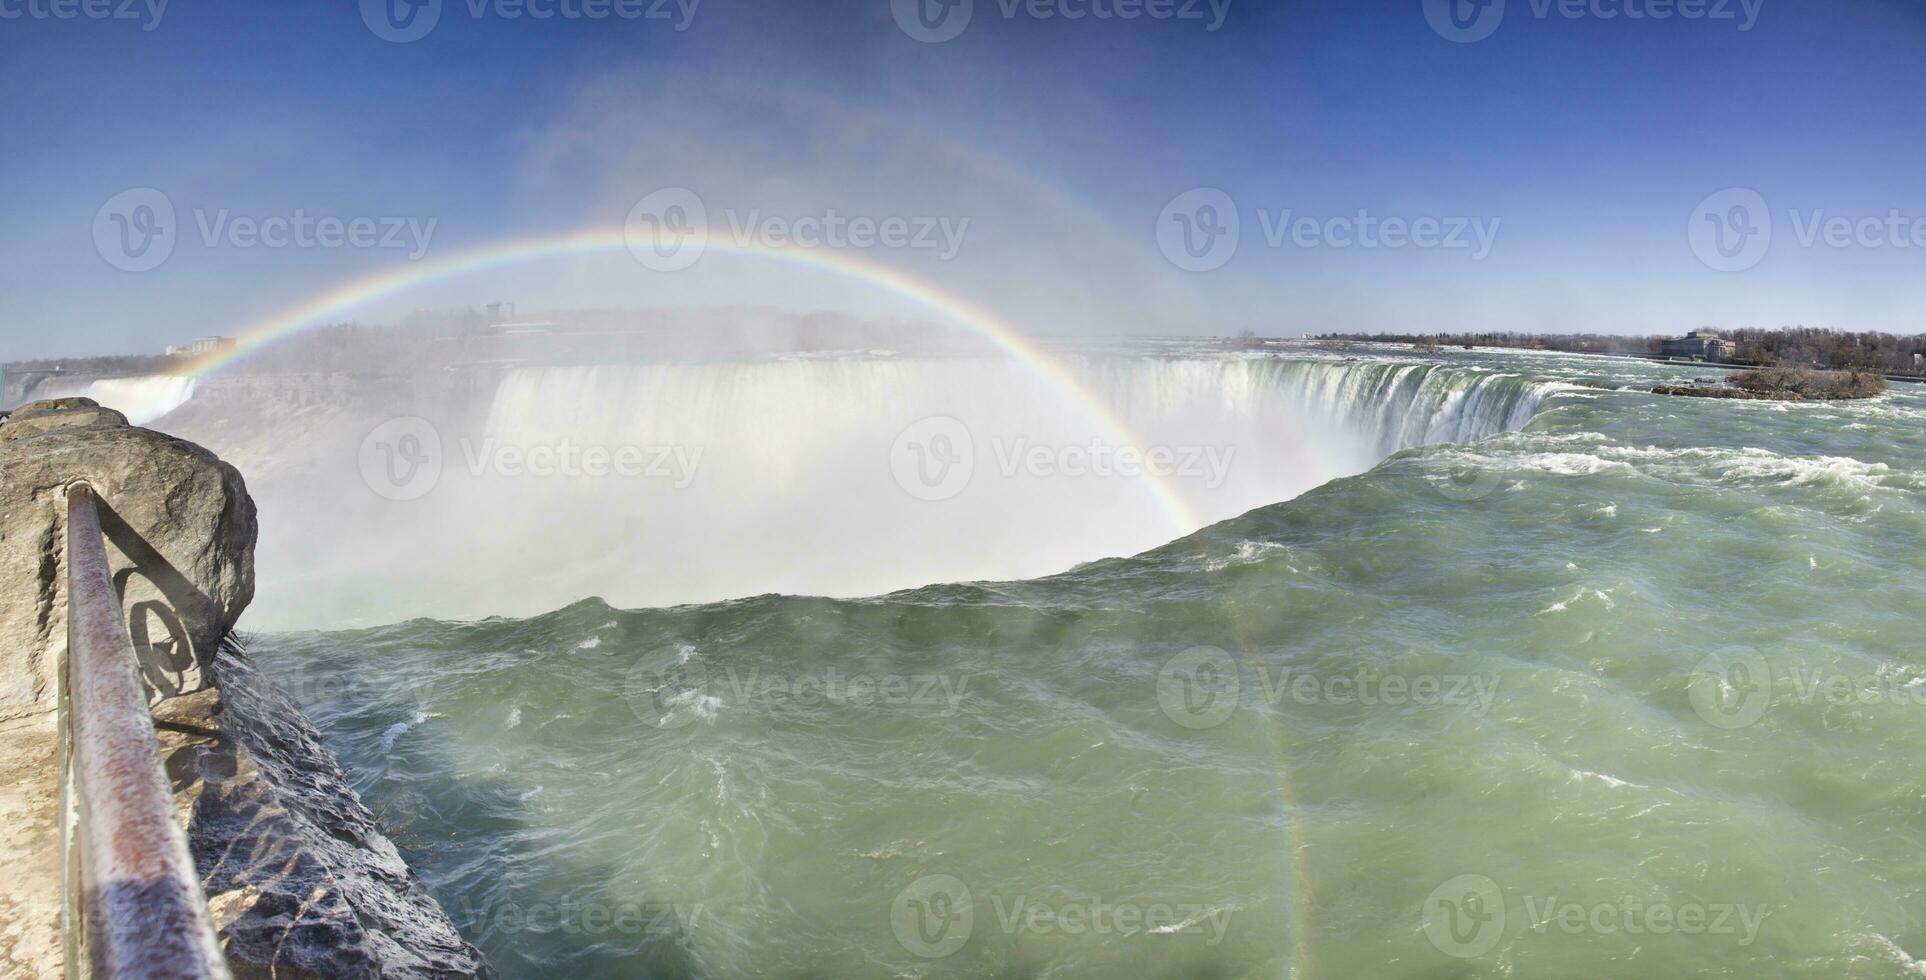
{"x": 1469, "y": 664}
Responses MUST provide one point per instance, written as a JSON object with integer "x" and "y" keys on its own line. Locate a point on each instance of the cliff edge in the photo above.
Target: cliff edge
{"x": 300, "y": 881}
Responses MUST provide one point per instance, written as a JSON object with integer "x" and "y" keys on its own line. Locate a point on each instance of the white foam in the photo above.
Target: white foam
{"x": 141, "y": 399}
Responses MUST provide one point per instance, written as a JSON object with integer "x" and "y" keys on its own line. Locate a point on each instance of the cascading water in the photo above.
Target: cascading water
{"x": 1278, "y": 747}
{"x": 142, "y": 399}
{"x": 1379, "y": 407}
{"x": 658, "y": 484}
{"x": 790, "y": 476}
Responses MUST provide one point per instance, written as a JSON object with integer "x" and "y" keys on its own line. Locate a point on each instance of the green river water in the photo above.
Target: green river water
{"x": 1601, "y": 684}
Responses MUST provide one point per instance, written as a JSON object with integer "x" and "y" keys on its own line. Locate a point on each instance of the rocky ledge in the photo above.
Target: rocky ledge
{"x": 301, "y": 881}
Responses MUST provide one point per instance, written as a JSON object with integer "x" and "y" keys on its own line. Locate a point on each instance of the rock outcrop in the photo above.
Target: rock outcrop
{"x": 180, "y": 536}
{"x": 300, "y": 880}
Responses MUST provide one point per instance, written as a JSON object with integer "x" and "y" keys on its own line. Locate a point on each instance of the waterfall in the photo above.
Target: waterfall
{"x": 792, "y": 475}
{"x": 657, "y": 484}
{"x": 142, "y": 399}
{"x": 1380, "y": 406}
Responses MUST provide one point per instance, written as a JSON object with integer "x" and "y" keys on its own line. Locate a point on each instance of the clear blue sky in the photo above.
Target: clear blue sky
{"x": 1584, "y": 143}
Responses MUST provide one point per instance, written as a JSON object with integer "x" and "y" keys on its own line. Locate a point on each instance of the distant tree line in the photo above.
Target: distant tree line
{"x": 1787, "y": 346}
{"x": 127, "y": 365}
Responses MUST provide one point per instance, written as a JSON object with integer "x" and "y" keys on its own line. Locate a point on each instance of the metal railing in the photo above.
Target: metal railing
{"x": 136, "y": 909}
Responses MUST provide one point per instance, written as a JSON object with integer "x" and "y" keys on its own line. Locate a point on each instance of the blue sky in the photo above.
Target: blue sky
{"x": 1583, "y": 144}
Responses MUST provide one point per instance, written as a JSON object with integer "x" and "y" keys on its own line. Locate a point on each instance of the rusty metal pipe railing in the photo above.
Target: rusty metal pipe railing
{"x": 143, "y": 914}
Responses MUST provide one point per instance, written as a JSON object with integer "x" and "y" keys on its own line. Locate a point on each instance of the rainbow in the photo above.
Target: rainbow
{"x": 340, "y": 301}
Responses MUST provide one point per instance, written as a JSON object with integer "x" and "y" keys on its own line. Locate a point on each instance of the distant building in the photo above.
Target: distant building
{"x": 201, "y": 345}
{"x": 1700, "y": 345}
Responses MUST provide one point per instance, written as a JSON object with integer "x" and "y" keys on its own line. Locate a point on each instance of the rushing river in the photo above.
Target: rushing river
{"x": 1552, "y": 678}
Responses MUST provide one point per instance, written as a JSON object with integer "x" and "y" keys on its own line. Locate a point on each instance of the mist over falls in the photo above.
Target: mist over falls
{"x": 475, "y": 494}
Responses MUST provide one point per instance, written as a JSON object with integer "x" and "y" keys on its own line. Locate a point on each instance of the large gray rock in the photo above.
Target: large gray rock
{"x": 180, "y": 531}
{"x": 300, "y": 881}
